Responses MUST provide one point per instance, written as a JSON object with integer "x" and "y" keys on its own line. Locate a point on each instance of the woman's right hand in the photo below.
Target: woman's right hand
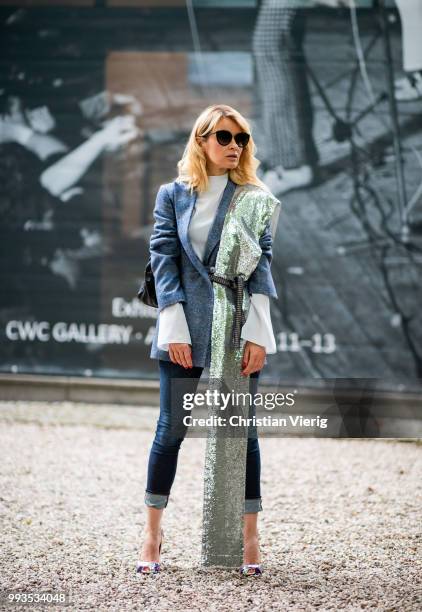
{"x": 181, "y": 353}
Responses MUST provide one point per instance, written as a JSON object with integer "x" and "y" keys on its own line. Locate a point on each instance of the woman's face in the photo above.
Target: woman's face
{"x": 220, "y": 158}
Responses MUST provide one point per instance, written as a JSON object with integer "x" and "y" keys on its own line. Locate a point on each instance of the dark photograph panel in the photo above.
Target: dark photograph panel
{"x": 96, "y": 108}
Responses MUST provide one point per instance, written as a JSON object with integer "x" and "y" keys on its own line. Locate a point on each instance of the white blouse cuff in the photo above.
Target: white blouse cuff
{"x": 173, "y": 326}
{"x": 258, "y": 327}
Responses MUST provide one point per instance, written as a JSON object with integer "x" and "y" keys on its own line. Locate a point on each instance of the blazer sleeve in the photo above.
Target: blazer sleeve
{"x": 165, "y": 252}
{"x": 261, "y": 280}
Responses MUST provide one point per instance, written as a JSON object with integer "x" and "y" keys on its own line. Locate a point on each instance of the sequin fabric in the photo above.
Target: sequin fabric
{"x": 250, "y": 210}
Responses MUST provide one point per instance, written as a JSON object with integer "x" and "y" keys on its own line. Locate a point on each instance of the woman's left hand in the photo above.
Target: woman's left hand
{"x": 253, "y": 358}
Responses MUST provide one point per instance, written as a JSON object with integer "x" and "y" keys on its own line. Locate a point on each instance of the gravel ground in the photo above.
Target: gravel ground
{"x": 340, "y": 529}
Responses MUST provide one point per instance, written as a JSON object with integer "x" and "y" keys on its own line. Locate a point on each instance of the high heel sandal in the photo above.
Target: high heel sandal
{"x": 250, "y": 569}
{"x": 150, "y": 567}
{"x": 246, "y": 568}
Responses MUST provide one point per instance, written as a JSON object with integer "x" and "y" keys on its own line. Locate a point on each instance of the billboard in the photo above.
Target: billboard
{"x": 97, "y": 102}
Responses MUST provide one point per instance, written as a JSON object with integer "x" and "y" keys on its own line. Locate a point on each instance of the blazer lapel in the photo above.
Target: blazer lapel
{"x": 184, "y": 207}
{"x": 217, "y": 225}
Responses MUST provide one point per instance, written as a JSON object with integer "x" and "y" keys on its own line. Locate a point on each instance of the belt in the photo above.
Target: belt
{"x": 237, "y": 285}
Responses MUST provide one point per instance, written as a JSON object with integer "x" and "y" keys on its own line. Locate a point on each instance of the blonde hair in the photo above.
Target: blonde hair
{"x": 192, "y": 165}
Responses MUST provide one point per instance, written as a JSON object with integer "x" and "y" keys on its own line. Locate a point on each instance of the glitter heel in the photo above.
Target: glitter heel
{"x": 251, "y": 569}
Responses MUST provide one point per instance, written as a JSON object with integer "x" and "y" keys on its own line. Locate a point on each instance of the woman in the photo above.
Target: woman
{"x": 189, "y": 219}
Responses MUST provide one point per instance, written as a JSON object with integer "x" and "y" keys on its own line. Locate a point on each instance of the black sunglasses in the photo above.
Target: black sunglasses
{"x": 224, "y": 137}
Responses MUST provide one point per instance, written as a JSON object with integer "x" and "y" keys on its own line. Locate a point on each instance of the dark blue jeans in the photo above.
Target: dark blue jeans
{"x": 164, "y": 452}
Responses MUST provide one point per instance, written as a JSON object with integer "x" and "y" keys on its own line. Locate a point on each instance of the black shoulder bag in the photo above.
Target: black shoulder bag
{"x": 146, "y": 293}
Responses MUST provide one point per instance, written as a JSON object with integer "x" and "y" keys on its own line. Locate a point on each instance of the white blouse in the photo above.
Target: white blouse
{"x": 173, "y": 326}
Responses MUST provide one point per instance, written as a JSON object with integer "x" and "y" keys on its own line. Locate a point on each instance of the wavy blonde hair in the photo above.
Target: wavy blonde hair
{"x": 192, "y": 165}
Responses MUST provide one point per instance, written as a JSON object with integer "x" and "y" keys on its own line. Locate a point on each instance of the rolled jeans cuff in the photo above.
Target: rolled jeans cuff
{"x": 155, "y": 500}
{"x": 253, "y": 505}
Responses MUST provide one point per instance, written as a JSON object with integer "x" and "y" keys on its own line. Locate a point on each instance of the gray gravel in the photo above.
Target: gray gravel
{"x": 340, "y": 529}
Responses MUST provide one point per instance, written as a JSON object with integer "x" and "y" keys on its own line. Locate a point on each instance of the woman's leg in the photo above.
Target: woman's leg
{"x": 251, "y": 552}
{"x": 253, "y": 502}
{"x": 152, "y": 535}
{"x": 175, "y": 380}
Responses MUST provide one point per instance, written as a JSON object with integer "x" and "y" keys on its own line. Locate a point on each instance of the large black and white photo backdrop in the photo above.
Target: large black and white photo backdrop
{"x": 97, "y": 101}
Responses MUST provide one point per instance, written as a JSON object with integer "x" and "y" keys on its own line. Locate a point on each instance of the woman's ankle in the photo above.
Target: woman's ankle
{"x": 251, "y": 550}
{"x": 154, "y": 532}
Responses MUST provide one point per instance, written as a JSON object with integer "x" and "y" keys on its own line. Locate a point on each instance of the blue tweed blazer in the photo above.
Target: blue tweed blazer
{"x": 180, "y": 275}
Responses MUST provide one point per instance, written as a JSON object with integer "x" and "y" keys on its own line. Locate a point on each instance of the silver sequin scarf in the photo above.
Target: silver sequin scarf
{"x": 250, "y": 211}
